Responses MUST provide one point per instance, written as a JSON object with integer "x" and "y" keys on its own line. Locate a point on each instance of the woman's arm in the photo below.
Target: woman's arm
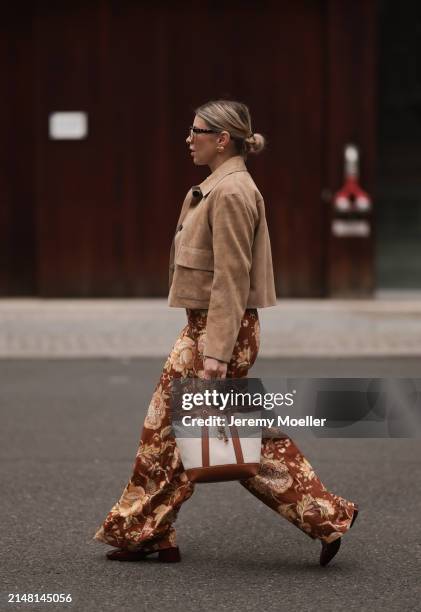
{"x": 233, "y": 223}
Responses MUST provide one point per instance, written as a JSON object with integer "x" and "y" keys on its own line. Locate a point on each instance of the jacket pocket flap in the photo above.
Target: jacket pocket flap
{"x": 192, "y": 257}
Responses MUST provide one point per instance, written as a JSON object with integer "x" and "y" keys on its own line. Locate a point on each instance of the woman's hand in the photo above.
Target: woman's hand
{"x": 213, "y": 368}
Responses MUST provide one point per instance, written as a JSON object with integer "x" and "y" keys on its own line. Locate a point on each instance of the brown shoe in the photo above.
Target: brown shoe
{"x": 354, "y": 517}
{"x": 329, "y": 551}
{"x": 165, "y": 555}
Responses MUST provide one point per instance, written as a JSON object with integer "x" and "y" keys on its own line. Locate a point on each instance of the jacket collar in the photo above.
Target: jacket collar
{"x": 233, "y": 164}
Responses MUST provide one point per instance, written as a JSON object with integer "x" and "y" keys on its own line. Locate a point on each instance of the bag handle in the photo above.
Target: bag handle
{"x": 235, "y": 442}
{"x": 205, "y": 446}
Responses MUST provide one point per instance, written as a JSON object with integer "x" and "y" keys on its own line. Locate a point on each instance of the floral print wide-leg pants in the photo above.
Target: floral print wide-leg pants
{"x": 143, "y": 517}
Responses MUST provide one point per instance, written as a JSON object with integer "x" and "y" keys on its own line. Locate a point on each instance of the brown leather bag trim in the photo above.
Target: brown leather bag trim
{"x": 205, "y": 447}
{"x": 236, "y": 444}
{"x": 221, "y": 473}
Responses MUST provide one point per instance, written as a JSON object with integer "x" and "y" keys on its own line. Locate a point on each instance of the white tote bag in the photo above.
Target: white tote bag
{"x": 215, "y": 454}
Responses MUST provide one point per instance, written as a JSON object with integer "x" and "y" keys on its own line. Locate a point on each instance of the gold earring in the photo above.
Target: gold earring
{"x": 220, "y": 149}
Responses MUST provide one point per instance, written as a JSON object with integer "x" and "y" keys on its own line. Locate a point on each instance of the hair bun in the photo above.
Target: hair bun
{"x": 255, "y": 143}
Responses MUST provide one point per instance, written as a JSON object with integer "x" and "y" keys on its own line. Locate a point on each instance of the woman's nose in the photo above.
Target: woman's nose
{"x": 188, "y": 139}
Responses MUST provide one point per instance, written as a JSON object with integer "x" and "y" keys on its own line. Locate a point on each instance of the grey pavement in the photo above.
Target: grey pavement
{"x": 70, "y": 429}
{"x": 43, "y": 328}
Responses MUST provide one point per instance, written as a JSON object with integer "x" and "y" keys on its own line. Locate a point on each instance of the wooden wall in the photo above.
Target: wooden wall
{"x": 96, "y": 217}
{"x": 351, "y": 117}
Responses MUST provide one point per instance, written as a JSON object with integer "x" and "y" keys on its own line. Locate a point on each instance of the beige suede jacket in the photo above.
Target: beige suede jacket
{"x": 221, "y": 256}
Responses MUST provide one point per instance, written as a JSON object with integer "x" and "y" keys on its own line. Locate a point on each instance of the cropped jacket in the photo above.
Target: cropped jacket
{"x": 220, "y": 256}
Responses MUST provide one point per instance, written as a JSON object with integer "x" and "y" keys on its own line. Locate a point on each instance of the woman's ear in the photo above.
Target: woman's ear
{"x": 223, "y": 139}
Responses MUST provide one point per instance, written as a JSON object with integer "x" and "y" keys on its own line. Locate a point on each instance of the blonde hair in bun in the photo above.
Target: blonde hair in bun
{"x": 233, "y": 117}
{"x": 255, "y": 143}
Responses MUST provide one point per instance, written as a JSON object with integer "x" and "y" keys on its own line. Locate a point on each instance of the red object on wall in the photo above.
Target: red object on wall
{"x": 350, "y": 239}
{"x": 351, "y": 197}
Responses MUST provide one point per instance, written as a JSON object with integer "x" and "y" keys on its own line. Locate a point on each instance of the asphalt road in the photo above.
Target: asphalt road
{"x": 69, "y": 433}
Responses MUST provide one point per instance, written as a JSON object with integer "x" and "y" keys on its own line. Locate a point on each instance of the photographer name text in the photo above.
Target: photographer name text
{"x": 285, "y": 421}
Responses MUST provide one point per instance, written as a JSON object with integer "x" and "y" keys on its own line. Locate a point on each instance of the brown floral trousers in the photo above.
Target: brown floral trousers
{"x": 143, "y": 517}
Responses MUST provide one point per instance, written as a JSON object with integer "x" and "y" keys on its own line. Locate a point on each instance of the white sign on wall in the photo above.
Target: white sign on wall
{"x": 350, "y": 228}
{"x": 68, "y": 125}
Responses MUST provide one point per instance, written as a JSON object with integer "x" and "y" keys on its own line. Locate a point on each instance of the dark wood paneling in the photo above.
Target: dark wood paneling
{"x": 17, "y": 196}
{"x": 350, "y": 111}
{"x": 78, "y": 238}
{"x": 106, "y": 207}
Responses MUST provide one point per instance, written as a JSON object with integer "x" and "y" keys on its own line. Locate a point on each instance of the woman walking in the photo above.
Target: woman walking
{"x": 221, "y": 273}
